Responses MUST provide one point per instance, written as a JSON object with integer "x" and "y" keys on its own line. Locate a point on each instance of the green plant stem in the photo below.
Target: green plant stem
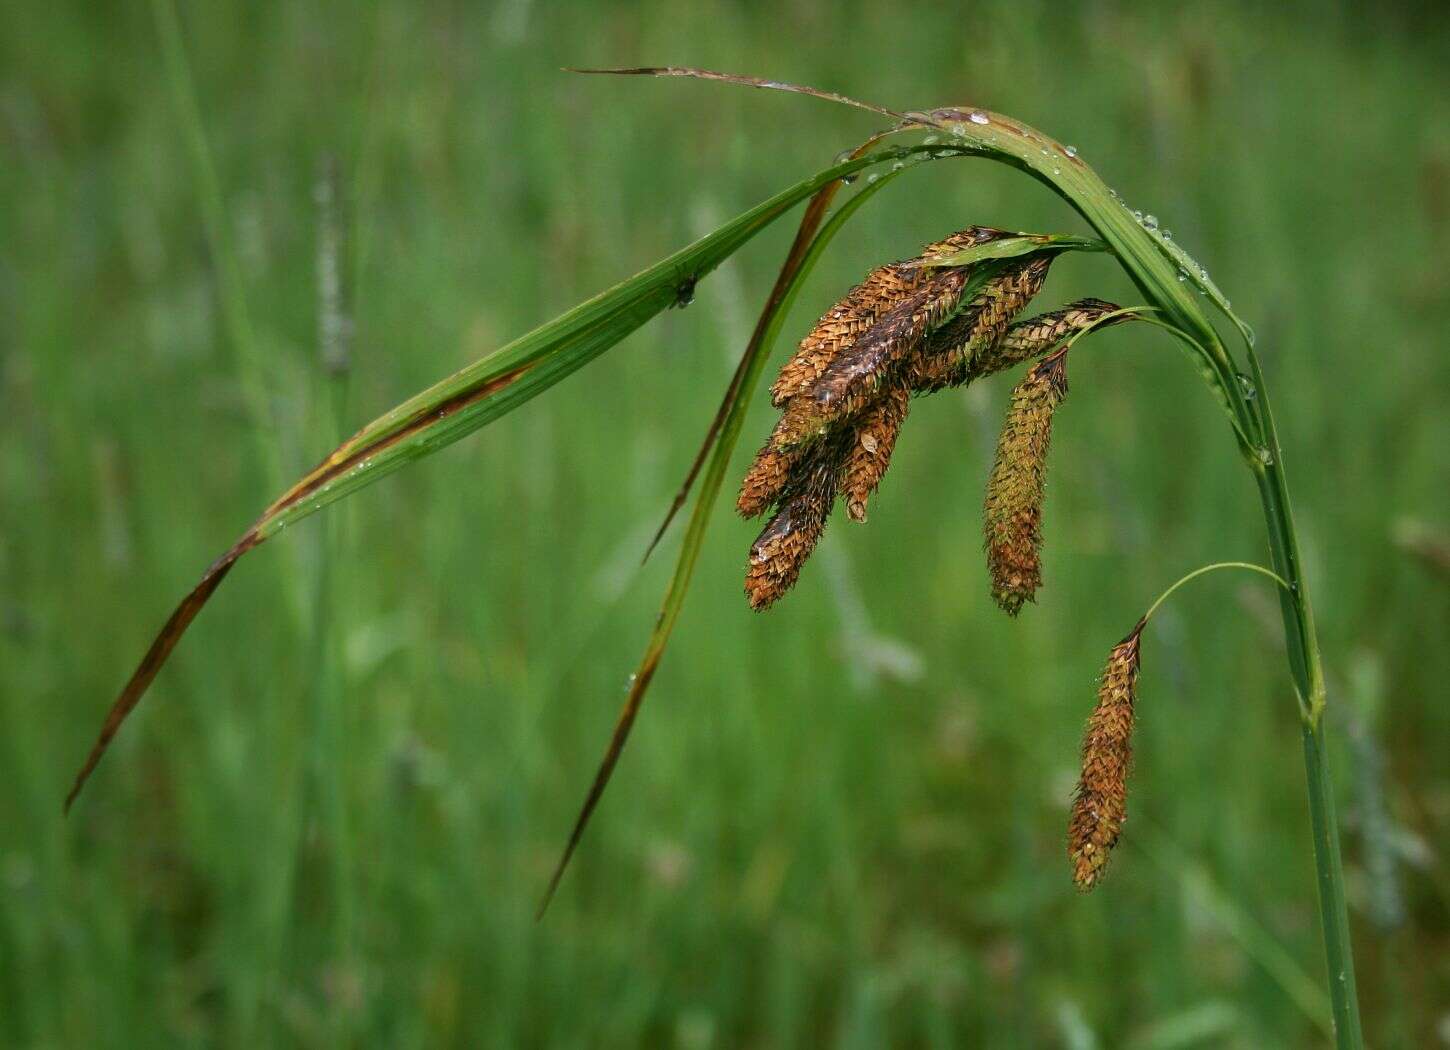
{"x": 1305, "y": 665}
{"x": 1201, "y": 570}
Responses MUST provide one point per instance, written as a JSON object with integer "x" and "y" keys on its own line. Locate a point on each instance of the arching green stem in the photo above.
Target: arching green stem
{"x": 1200, "y": 571}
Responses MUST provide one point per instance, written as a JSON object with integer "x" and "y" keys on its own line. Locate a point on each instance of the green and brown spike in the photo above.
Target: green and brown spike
{"x": 1012, "y": 515}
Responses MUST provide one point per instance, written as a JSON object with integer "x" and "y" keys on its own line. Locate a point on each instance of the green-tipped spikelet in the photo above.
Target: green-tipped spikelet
{"x": 1012, "y": 516}
{"x": 1100, "y": 804}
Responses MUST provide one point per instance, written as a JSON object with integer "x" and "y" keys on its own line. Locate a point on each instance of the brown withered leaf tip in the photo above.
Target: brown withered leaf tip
{"x": 1012, "y": 514}
{"x": 1100, "y": 804}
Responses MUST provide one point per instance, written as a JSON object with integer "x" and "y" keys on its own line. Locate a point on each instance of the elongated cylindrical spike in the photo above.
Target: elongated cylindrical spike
{"x": 842, "y": 324}
{"x": 781, "y": 549}
{"x": 1012, "y": 515}
{"x": 856, "y": 374}
{"x": 861, "y": 307}
{"x": 868, "y": 456}
{"x": 1037, "y": 335}
{"x": 1100, "y": 805}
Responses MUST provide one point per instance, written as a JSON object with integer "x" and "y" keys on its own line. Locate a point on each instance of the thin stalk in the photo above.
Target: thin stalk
{"x": 1201, "y": 570}
{"x": 1306, "y": 667}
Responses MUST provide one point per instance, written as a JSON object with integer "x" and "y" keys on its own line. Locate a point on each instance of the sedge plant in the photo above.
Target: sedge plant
{"x": 941, "y": 319}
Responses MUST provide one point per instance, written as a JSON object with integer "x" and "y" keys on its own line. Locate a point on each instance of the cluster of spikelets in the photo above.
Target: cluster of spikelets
{"x": 916, "y": 327}
{"x": 909, "y": 328}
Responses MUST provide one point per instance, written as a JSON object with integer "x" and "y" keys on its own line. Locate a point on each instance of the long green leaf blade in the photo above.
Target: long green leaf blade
{"x": 470, "y": 399}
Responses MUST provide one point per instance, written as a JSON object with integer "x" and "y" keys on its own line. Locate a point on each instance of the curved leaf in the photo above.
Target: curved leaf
{"x": 472, "y": 398}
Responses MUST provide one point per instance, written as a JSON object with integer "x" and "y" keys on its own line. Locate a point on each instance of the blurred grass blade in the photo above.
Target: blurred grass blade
{"x": 804, "y": 253}
{"x": 472, "y": 398}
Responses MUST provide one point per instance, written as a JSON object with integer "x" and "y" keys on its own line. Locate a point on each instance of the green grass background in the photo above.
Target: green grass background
{"x": 840, "y": 823}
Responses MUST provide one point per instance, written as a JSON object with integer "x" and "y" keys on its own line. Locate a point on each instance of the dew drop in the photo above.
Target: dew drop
{"x": 1071, "y": 151}
{"x": 978, "y": 118}
{"x": 848, "y": 179}
{"x": 1247, "y": 386}
{"x": 1138, "y": 215}
{"x": 1265, "y": 456}
{"x": 931, "y": 140}
{"x": 1057, "y": 171}
{"x": 872, "y": 177}
{"x": 1150, "y": 221}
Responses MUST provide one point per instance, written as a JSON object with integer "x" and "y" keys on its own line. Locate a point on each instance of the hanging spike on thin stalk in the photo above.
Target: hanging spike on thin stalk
{"x": 1100, "y": 804}
{"x": 1012, "y": 514}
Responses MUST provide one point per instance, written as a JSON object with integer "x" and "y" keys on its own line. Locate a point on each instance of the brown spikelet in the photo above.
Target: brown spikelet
{"x": 1100, "y": 804}
{"x": 851, "y": 380}
{"x": 1012, "y": 516}
{"x": 841, "y": 325}
{"x": 781, "y": 549}
{"x": 873, "y": 440}
{"x": 950, "y": 355}
{"x": 764, "y": 481}
{"x": 1037, "y": 335}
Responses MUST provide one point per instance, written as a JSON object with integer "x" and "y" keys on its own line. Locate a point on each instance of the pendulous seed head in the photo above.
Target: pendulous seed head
{"x": 853, "y": 378}
{"x": 781, "y": 549}
{"x": 1101, "y": 802}
{"x": 868, "y": 455}
{"x": 1012, "y": 514}
{"x": 841, "y": 325}
{"x": 883, "y": 289}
